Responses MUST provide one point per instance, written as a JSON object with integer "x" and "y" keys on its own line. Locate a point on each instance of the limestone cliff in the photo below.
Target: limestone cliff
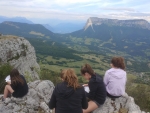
{"x": 36, "y": 101}
{"x": 114, "y": 22}
{"x": 19, "y": 53}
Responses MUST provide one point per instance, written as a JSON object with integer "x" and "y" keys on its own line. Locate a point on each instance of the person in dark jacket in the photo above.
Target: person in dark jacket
{"x": 17, "y": 87}
{"x": 97, "y": 93}
{"x": 68, "y": 96}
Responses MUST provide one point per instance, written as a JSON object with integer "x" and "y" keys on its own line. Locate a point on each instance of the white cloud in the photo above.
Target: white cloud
{"x": 120, "y": 9}
{"x": 76, "y": 9}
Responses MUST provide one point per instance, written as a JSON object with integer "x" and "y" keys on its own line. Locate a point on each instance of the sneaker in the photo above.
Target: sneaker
{"x": 9, "y": 96}
{"x": 3, "y": 99}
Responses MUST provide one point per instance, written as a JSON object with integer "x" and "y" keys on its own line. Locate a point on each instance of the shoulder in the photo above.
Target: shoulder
{"x": 122, "y": 71}
{"x": 98, "y": 75}
{"x": 59, "y": 84}
{"x": 22, "y": 76}
{"x": 81, "y": 89}
{"x": 109, "y": 70}
{"x": 92, "y": 79}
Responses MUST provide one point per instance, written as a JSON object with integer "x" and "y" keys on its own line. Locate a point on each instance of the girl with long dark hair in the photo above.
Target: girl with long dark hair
{"x": 17, "y": 87}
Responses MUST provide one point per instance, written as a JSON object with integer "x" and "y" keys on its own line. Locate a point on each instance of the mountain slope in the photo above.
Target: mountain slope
{"x": 131, "y": 38}
{"x": 25, "y": 30}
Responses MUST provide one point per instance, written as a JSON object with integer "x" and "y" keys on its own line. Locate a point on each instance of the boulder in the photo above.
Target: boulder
{"x": 36, "y": 101}
{"x": 39, "y": 95}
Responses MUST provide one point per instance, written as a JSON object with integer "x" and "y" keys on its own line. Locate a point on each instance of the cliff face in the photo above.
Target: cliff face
{"x": 20, "y": 54}
{"x": 114, "y": 22}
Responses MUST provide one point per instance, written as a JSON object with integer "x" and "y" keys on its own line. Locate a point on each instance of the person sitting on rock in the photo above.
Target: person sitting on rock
{"x": 97, "y": 93}
{"x": 115, "y": 78}
{"x": 68, "y": 96}
{"x": 17, "y": 87}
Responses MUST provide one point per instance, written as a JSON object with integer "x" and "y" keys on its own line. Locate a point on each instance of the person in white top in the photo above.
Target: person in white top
{"x": 115, "y": 78}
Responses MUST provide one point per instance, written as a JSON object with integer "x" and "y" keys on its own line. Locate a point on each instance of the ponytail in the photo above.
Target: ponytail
{"x": 70, "y": 77}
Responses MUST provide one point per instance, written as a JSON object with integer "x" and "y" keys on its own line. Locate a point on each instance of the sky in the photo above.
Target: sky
{"x": 75, "y": 10}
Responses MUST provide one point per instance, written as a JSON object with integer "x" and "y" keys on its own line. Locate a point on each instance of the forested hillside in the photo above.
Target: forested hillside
{"x": 131, "y": 40}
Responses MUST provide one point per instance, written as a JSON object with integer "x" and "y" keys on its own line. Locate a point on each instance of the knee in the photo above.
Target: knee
{"x": 7, "y": 86}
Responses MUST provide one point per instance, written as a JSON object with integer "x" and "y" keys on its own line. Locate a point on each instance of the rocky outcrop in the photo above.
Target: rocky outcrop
{"x": 36, "y": 101}
{"x": 19, "y": 53}
{"x": 140, "y": 23}
{"x": 123, "y": 104}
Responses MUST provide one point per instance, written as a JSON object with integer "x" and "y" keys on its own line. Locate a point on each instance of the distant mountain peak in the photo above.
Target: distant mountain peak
{"x": 89, "y": 24}
{"x": 15, "y": 19}
{"x": 141, "y": 23}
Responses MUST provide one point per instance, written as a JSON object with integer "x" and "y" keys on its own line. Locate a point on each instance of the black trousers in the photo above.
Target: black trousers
{"x": 111, "y": 96}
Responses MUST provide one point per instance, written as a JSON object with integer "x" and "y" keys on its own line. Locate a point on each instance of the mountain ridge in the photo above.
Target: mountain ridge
{"x": 24, "y": 29}
{"x": 129, "y": 39}
{"x": 15, "y": 19}
{"x": 141, "y": 23}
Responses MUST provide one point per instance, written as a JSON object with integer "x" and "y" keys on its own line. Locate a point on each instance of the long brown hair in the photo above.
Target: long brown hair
{"x": 118, "y": 62}
{"x": 69, "y": 76}
{"x": 87, "y": 69}
{"x": 15, "y": 77}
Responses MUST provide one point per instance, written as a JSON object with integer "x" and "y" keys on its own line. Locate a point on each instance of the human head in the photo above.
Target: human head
{"x": 118, "y": 62}
{"x": 69, "y": 76}
{"x": 87, "y": 71}
{"x": 15, "y": 76}
{"x": 14, "y": 73}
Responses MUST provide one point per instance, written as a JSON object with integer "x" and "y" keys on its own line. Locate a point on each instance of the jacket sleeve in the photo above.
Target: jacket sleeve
{"x": 106, "y": 78}
{"x": 84, "y": 101}
{"x": 93, "y": 87}
{"x": 52, "y": 103}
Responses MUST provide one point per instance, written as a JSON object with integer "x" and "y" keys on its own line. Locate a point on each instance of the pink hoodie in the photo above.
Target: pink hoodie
{"x": 115, "y": 81}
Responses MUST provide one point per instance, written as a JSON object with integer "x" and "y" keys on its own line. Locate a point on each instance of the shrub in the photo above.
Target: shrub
{"x": 140, "y": 93}
{"x": 46, "y": 74}
{"x": 4, "y": 71}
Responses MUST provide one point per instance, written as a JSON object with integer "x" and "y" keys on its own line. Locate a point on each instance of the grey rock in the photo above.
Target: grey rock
{"x": 32, "y": 102}
{"x": 16, "y": 108}
{"x": 125, "y": 103}
{"x": 45, "y": 107}
{"x": 20, "y": 54}
{"x": 7, "y": 100}
{"x": 39, "y": 95}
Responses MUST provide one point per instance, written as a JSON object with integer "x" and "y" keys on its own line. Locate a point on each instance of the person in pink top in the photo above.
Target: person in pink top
{"x": 115, "y": 78}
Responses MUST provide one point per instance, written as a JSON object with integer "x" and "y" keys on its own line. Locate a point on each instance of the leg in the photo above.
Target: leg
{"x": 91, "y": 107}
{"x": 53, "y": 110}
{"x": 7, "y": 90}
